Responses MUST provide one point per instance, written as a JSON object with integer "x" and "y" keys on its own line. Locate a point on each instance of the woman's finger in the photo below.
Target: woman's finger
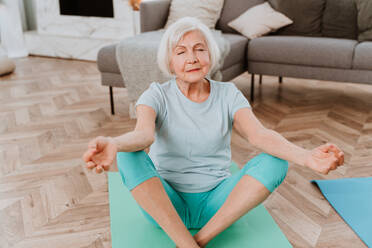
{"x": 329, "y": 147}
{"x": 336, "y": 150}
{"x": 88, "y": 155}
{"x": 90, "y": 165}
{"x": 324, "y": 171}
{"x": 340, "y": 158}
{"x": 325, "y": 147}
{"x": 320, "y": 153}
{"x": 106, "y": 167}
{"x": 334, "y": 164}
{"x": 99, "y": 169}
{"x": 106, "y": 164}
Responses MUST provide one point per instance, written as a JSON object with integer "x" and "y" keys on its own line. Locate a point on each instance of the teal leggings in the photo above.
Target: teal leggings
{"x": 195, "y": 209}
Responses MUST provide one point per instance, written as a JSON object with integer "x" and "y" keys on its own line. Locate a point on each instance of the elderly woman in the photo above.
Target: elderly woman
{"x": 184, "y": 181}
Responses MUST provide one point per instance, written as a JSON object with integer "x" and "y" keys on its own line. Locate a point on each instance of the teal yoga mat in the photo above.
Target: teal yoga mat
{"x": 352, "y": 199}
{"x": 129, "y": 228}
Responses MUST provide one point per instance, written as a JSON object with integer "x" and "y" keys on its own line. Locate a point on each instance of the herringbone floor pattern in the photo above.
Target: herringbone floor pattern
{"x": 50, "y": 109}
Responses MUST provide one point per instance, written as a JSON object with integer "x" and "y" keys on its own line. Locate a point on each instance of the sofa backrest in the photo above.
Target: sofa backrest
{"x": 305, "y": 14}
{"x": 329, "y": 18}
{"x": 340, "y": 19}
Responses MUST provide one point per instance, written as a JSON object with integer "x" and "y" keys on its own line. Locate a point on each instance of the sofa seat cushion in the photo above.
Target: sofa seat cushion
{"x": 363, "y": 56}
{"x": 238, "y": 49}
{"x": 296, "y": 50}
{"x": 106, "y": 59}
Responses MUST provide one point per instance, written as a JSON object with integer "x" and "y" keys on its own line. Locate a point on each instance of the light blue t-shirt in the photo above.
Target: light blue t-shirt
{"x": 191, "y": 150}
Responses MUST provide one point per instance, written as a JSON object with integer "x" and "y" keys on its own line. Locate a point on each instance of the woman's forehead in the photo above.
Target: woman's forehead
{"x": 191, "y": 38}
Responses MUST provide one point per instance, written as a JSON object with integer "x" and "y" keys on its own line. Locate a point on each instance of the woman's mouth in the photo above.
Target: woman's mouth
{"x": 197, "y": 69}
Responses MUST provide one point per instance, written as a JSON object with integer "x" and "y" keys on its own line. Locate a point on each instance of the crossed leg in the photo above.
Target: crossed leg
{"x": 152, "y": 197}
{"x": 256, "y": 180}
{"x": 259, "y": 177}
{"x": 148, "y": 189}
{"x": 246, "y": 195}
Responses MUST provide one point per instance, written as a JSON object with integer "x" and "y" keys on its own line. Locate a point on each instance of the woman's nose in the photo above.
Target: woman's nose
{"x": 191, "y": 58}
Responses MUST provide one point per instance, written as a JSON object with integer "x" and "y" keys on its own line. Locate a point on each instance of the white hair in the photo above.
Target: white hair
{"x": 173, "y": 35}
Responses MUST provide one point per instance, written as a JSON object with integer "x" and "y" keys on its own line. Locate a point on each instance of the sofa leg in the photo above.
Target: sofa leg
{"x": 252, "y": 87}
{"x": 112, "y": 101}
{"x": 280, "y": 79}
{"x": 260, "y": 79}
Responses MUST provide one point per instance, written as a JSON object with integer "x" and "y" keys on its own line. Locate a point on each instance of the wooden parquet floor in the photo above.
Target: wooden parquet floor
{"x": 50, "y": 108}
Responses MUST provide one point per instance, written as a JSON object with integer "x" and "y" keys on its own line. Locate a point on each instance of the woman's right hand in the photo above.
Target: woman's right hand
{"x": 101, "y": 154}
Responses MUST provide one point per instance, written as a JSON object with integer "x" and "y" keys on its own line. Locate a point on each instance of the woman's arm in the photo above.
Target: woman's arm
{"x": 101, "y": 151}
{"x": 275, "y": 144}
{"x": 270, "y": 141}
{"x": 135, "y": 140}
{"x": 144, "y": 133}
{"x": 321, "y": 159}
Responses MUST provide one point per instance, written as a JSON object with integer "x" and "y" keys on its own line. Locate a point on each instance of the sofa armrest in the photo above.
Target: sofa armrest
{"x": 153, "y": 14}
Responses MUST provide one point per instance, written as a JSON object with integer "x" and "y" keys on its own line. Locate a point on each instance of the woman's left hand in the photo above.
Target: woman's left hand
{"x": 324, "y": 158}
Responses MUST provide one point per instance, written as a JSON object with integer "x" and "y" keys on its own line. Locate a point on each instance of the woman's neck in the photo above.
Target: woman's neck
{"x": 197, "y": 91}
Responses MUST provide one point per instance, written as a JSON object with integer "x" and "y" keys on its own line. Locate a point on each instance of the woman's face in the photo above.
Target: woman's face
{"x": 190, "y": 58}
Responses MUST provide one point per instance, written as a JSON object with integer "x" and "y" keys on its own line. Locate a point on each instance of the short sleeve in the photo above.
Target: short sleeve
{"x": 152, "y": 97}
{"x": 237, "y": 101}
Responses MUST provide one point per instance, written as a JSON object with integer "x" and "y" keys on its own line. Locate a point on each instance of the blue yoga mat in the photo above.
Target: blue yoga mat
{"x": 352, "y": 199}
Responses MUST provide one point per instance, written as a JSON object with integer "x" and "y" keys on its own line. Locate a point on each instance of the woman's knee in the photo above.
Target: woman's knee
{"x": 126, "y": 158}
{"x": 135, "y": 167}
{"x": 269, "y": 170}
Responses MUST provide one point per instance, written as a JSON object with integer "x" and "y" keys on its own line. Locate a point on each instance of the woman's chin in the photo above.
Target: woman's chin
{"x": 194, "y": 78}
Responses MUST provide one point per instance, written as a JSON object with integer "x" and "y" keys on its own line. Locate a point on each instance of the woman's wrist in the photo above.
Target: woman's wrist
{"x": 304, "y": 154}
{"x": 114, "y": 141}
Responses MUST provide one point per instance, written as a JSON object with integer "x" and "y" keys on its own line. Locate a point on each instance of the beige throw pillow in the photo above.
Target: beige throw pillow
{"x": 259, "y": 20}
{"x": 207, "y": 11}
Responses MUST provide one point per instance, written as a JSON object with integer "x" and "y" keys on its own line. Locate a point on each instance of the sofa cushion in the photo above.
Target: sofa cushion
{"x": 305, "y": 14}
{"x": 238, "y": 49}
{"x": 259, "y": 20}
{"x": 310, "y": 51}
{"x": 207, "y": 11}
{"x": 364, "y": 8}
{"x": 340, "y": 19}
{"x": 232, "y": 9}
{"x": 363, "y": 56}
{"x": 106, "y": 59}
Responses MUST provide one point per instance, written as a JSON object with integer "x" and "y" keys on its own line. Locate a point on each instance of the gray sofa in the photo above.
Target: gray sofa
{"x": 321, "y": 44}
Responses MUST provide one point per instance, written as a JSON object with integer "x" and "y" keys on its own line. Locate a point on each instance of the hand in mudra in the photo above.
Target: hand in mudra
{"x": 100, "y": 154}
{"x": 324, "y": 158}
